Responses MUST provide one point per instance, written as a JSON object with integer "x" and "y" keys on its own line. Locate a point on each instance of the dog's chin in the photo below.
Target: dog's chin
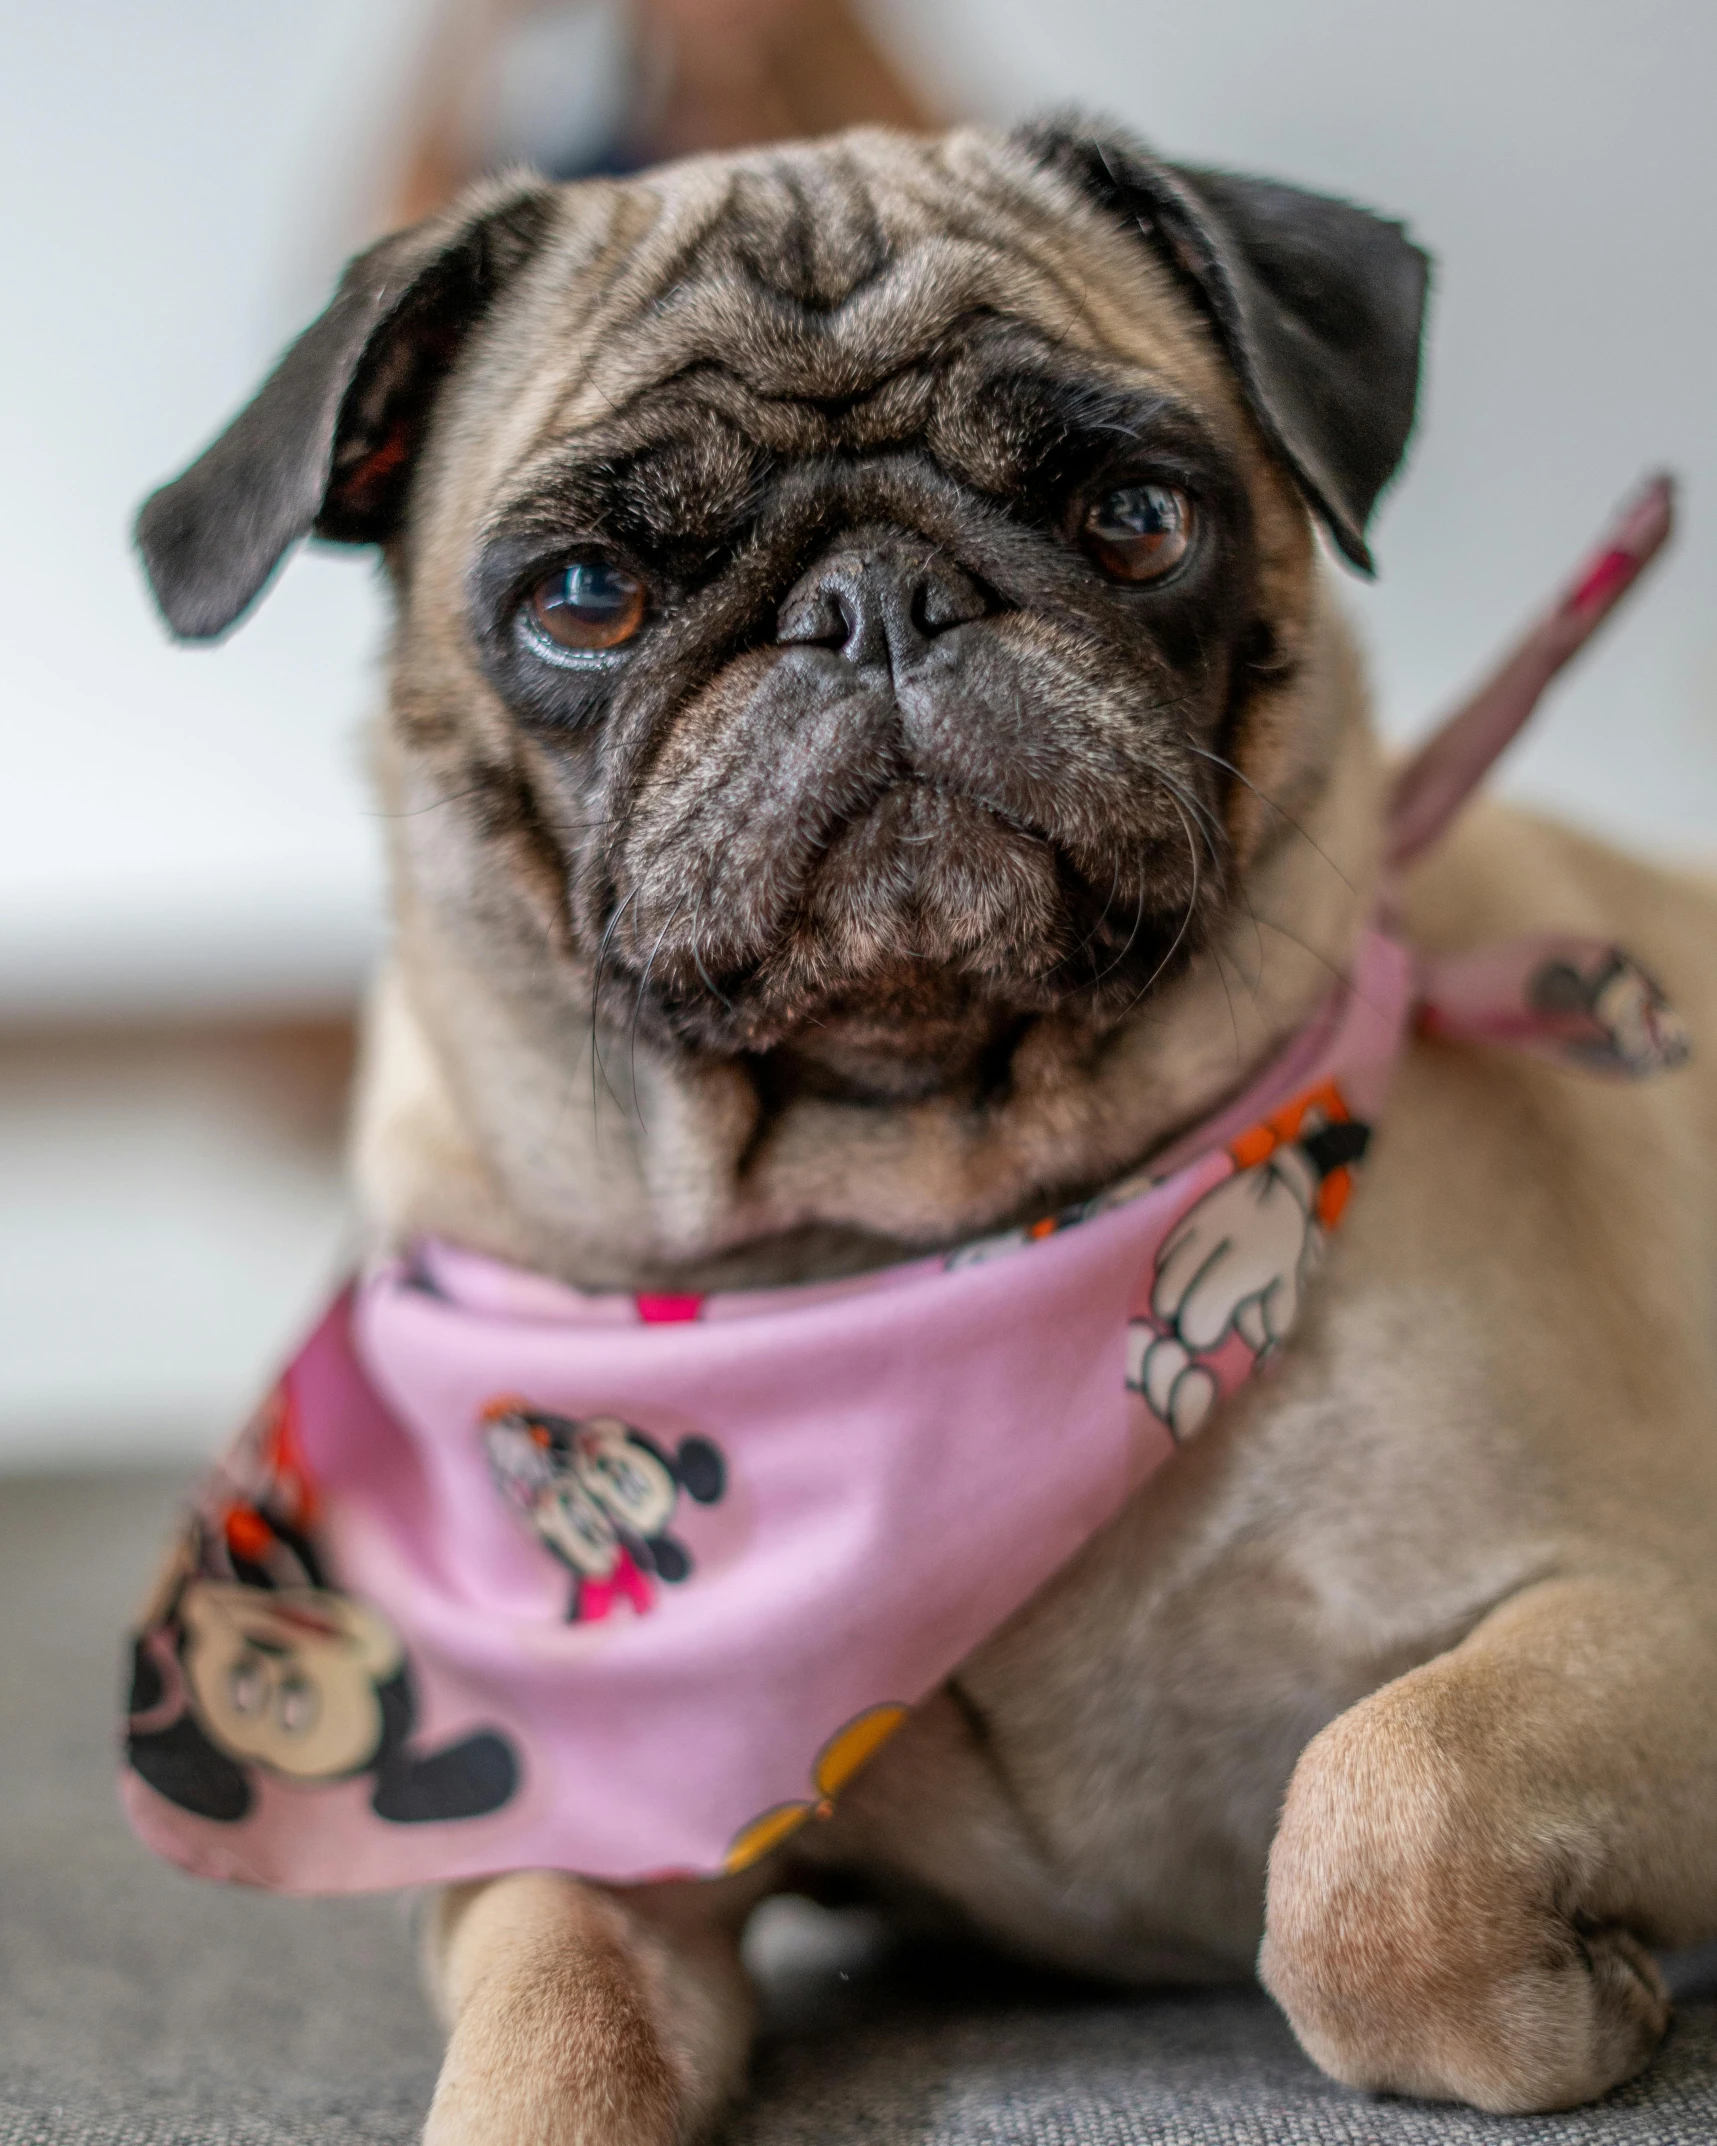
{"x": 909, "y": 1027}
{"x": 909, "y": 1038}
{"x": 930, "y": 938}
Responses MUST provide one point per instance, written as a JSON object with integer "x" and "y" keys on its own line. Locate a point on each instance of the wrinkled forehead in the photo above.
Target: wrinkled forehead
{"x": 810, "y": 291}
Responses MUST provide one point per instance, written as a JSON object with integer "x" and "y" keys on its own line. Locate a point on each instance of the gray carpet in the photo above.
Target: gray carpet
{"x": 141, "y": 2008}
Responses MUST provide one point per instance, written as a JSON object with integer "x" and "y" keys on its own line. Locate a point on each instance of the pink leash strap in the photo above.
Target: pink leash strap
{"x": 1574, "y": 1000}
{"x": 1454, "y": 760}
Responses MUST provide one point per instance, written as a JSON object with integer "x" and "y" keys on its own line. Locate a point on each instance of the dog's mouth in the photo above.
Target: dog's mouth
{"x": 908, "y": 950}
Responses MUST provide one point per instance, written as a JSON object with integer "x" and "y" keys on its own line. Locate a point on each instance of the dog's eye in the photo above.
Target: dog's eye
{"x": 1140, "y": 533}
{"x": 590, "y": 606}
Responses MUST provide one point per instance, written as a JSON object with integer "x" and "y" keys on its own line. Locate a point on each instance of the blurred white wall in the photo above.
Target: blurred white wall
{"x": 177, "y": 830}
{"x": 170, "y": 1209}
{"x": 188, "y": 830}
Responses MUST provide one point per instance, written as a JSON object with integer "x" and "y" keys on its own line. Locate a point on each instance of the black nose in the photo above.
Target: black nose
{"x": 880, "y": 603}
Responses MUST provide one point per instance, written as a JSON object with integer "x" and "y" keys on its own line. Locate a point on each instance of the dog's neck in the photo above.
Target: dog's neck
{"x": 490, "y": 1114}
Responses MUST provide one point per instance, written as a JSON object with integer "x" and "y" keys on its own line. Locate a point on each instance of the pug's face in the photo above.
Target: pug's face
{"x": 848, "y": 595}
{"x": 866, "y": 727}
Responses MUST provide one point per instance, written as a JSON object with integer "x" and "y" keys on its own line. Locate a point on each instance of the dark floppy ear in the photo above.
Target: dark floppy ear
{"x": 327, "y": 443}
{"x": 1320, "y": 307}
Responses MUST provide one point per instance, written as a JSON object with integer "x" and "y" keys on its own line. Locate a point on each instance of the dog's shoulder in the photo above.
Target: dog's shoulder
{"x": 1502, "y": 870}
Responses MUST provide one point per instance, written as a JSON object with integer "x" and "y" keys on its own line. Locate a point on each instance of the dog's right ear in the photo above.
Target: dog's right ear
{"x": 327, "y": 444}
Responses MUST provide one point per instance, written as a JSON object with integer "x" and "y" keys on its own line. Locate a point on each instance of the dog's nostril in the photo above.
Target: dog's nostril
{"x": 944, "y": 600}
{"x": 818, "y": 620}
{"x": 881, "y": 606}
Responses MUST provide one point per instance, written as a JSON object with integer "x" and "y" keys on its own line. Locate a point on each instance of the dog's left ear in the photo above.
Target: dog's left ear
{"x": 1320, "y": 307}
{"x": 328, "y": 441}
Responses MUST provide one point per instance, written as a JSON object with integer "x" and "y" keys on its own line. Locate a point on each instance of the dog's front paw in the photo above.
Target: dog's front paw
{"x": 1422, "y": 1931}
{"x": 535, "y": 2070}
{"x": 574, "y": 2021}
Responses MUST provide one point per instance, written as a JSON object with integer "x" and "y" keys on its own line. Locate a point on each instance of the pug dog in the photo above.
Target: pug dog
{"x": 871, "y": 749}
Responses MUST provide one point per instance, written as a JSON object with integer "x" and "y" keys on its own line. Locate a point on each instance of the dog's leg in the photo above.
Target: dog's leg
{"x": 582, "y": 2017}
{"x": 1471, "y": 1863}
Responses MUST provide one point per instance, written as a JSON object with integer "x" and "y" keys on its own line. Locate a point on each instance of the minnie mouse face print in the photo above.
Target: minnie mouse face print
{"x": 600, "y": 1496}
{"x": 289, "y": 1681}
{"x": 244, "y": 1678}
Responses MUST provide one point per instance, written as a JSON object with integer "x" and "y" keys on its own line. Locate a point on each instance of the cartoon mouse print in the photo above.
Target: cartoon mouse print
{"x": 1238, "y": 1261}
{"x": 252, "y": 1662}
{"x": 1617, "y": 1016}
{"x": 600, "y": 1495}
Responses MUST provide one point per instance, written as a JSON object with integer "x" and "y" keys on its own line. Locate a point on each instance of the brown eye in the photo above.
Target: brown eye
{"x": 589, "y": 606}
{"x": 1140, "y": 533}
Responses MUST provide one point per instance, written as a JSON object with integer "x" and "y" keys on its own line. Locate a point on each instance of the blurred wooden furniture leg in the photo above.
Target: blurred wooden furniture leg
{"x": 702, "y": 74}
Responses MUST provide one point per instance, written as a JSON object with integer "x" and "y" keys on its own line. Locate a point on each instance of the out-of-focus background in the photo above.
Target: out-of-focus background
{"x": 189, "y": 887}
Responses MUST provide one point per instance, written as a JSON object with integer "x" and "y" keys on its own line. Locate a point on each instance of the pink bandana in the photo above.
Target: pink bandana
{"x": 505, "y": 1575}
